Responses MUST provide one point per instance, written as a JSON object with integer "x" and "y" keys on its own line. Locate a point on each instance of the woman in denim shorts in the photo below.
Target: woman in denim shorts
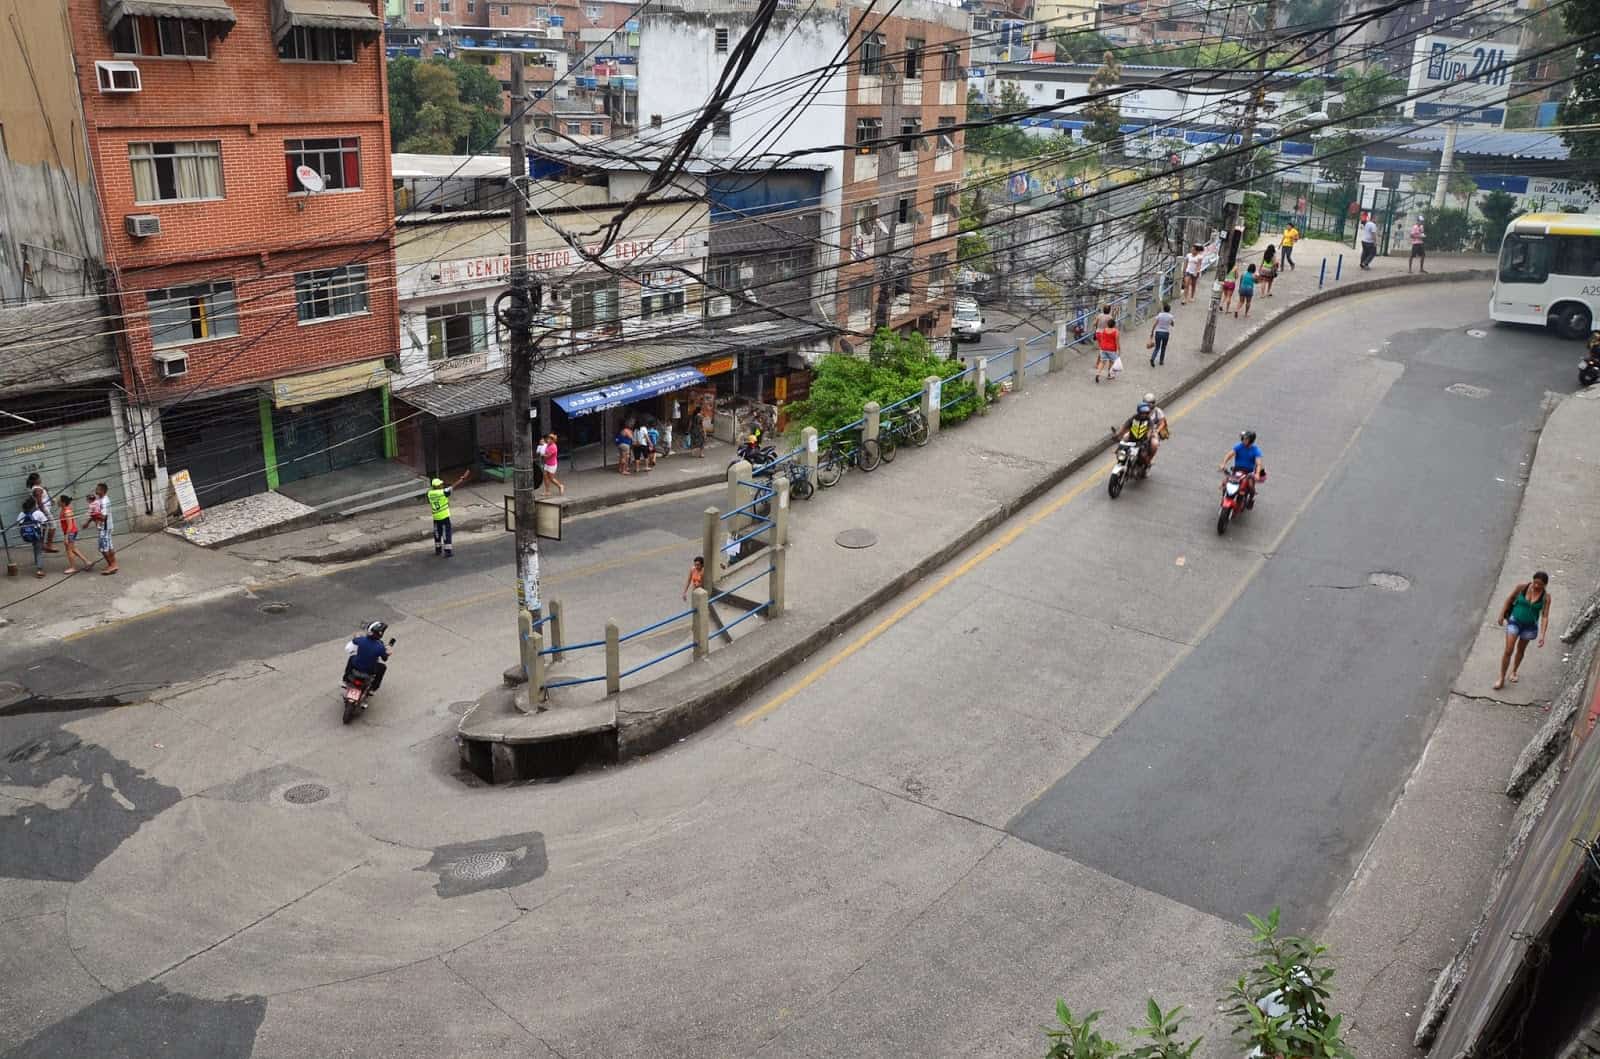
{"x": 1526, "y": 617}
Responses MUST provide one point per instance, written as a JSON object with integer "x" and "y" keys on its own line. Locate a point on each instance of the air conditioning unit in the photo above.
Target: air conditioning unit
{"x": 142, "y": 225}
{"x": 116, "y": 78}
{"x": 720, "y": 306}
{"x": 172, "y": 363}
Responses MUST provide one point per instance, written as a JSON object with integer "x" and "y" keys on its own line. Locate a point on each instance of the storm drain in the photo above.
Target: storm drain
{"x": 1389, "y": 582}
{"x": 275, "y": 607}
{"x": 476, "y": 866}
{"x": 305, "y": 794}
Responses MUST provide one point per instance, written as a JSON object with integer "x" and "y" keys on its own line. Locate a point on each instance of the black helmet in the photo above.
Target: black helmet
{"x": 377, "y": 629}
{"x": 1248, "y": 437}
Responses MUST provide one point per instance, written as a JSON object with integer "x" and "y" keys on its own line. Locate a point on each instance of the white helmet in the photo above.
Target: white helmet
{"x": 1150, "y": 399}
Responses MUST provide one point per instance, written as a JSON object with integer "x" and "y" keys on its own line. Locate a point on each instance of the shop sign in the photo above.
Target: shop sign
{"x": 720, "y": 366}
{"x": 470, "y": 270}
{"x": 183, "y": 486}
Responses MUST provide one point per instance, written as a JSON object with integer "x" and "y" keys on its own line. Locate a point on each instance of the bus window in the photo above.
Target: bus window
{"x": 1576, "y": 255}
{"x": 1525, "y": 259}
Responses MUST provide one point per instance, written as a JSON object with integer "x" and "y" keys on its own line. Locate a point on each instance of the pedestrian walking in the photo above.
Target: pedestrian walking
{"x": 697, "y": 576}
{"x": 1110, "y": 343}
{"x": 641, "y": 446}
{"x": 697, "y": 432}
{"x": 1161, "y": 333}
{"x": 550, "y": 455}
{"x": 1267, "y": 272}
{"x": 1229, "y": 282}
{"x": 1419, "y": 251}
{"x": 100, "y": 518}
{"x": 653, "y": 429}
{"x": 439, "y": 503}
{"x": 1369, "y": 239}
{"x": 1247, "y": 291}
{"x": 1192, "y": 263}
{"x": 624, "y": 443}
{"x": 1104, "y": 318}
{"x": 41, "y": 496}
{"x": 69, "y": 536}
{"x": 1291, "y": 236}
{"x": 1526, "y": 616}
{"x": 31, "y": 524}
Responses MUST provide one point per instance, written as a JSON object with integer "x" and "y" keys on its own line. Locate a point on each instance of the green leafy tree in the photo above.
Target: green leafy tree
{"x": 894, "y": 368}
{"x": 1368, "y": 89}
{"x": 1105, "y": 115}
{"x": 1078, "y": 46}
{"x": 442, "y": 106}
{"x": 1459, "y": 186}
{"x": 972, "y": 248}
{"x": 1580, "y": 111}
{"x": 1499, "y": 209}
{"x": 1001, "y": 139}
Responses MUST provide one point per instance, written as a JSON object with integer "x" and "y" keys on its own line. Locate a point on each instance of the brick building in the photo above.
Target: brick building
{"x": 242, "y": 166}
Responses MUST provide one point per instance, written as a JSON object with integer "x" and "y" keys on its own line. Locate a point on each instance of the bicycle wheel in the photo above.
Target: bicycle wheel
{"x": 871, "y": 454}
{"x": 831, "y": 469}
{"x": 802, "y": 489}
{"x": 918, "y": 427}
{"x": 887, "y": 446}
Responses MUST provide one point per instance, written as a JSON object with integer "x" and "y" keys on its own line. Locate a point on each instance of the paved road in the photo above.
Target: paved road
{"x": 1064, "y": 767}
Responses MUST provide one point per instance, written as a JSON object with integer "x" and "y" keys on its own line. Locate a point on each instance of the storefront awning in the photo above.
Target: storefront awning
{"x": 354, "y": 15}
{"x": 214, "y": 11}
{"x": 577, "y": 404}
{"x": 325, "y": 385}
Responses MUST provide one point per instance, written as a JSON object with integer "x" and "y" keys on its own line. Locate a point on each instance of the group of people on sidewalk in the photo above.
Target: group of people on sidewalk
{"x": 1369, "y": 243}
{"x": 641, "y": 442}
{"x": 42, "y": 516}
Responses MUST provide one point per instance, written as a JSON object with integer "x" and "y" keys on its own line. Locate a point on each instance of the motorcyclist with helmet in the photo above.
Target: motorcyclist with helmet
{"x": 1141, "y": 428}
{"x": 366, "y": 653}
{"x": 1246, "y": 457}
{"x": 1158, "y": 420}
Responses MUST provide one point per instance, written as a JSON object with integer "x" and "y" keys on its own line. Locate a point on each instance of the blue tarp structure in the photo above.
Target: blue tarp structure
{"x": 620, "y": 393}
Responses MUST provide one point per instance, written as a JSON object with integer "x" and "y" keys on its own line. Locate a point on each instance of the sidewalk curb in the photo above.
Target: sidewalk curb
{"x": 696, "y": 700}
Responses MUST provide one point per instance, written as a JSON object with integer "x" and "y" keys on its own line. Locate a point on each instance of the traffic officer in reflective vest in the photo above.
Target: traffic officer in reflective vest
{"x": 439, "y": 501}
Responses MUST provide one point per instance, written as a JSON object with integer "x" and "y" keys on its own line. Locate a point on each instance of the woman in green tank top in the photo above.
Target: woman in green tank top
{"x": 1526, "y": 616}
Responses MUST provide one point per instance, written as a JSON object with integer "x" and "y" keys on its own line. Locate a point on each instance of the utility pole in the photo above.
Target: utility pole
{"x": 521, "y": 302}
{"x": 1447, "y": 161}
{"x": 1228, "y": 251}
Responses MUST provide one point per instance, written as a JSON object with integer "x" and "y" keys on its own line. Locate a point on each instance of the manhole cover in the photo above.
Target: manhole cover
{"x": 480, "y": 865}
{"x": 1476, "y": 332}
{"x": 275, "y": 608}
{"x": 856, "y": 538}
{"x": 1461, "y": 389}
{"x": 305, "y": 793}
{"x": 1389, "y": 582}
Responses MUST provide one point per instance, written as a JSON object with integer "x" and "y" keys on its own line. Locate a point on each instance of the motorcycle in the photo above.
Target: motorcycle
{"x": 355, "y": 690}
{"x": 758, "y": 457}
{"x": 1132, "y": 461}
{"x": 1589, "y": 366}
{"x": 1238, "y": 495}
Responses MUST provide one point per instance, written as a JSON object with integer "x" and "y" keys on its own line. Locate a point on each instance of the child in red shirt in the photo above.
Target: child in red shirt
{"x": 69, "y": 536}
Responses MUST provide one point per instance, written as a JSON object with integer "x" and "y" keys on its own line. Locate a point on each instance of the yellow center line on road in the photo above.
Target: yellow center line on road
{"x": 1009, "y": 536}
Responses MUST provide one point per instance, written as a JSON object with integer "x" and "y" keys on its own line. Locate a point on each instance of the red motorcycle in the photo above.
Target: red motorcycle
{"x": 1238, "y": 495}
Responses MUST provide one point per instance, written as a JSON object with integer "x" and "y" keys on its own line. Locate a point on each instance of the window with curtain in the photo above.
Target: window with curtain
{"x": 338, "y": 160}
{"x": 328, "y": 293}
{"x": 595, "y": 305}
{"x": 457, "y": 329}
{"x": 192, "y": 313}
{"x": 176, "y": 170}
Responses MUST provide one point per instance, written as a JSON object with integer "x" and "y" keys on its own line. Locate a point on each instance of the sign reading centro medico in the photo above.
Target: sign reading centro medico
{"x": 471, "y": 270}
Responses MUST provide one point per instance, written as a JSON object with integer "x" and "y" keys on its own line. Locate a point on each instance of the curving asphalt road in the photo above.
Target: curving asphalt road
{"x": 1067, "y": 772}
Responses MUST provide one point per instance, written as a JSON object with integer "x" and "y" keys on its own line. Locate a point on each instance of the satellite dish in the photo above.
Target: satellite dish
{"x": 310, "y": 179}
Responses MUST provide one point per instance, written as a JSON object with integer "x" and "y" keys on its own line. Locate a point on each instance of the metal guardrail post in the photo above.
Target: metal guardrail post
{"x": 711, "y": 547}
{"x": 536, "y": 672}
{"x": 980, "y": 381}
{"x": 738, "y": 496}
{"x": 871, "y": 421}
{"x": 1019, "y": 366}
{"x": 808, "y": 452}
{"x": 930, "y": 403}
{"x": 1058, "y": 354}
{"x": 1322, "y": 277}
{"x": 613, "y": 657}
{"x": 701, "y": 623}
{"x": 780, "y": 513}
{"x": 775, "y": 582}
{"x": 558, "y": 630}
{"x": 1338, "y": 267}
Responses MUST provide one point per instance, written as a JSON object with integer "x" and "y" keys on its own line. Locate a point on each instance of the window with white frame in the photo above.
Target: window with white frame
{"x": 661, "y": 303}
{"x": 786, "y": 264}
{"x": 951, "y": 70}
{"x": 183, "y": 38}
{"x": 722, "y": 125}
{"x": 176, "y": 170}
{"x": 193, "y": 313}
{"x": 938, "y": 267}
{"x": 419, "y": 6}
{"x": 457, "y": 329}
{"x": 942, "y": 198}
{"x": 592, "y": 14}
{"x": 303, "y": 44}
{"x": 913, "y": 58}
{"x": 860, "y": 298}
{"x": 472, "y": 6}
{"x": 328, "y": 293}
{"x": 871, "y": 53}
{"x": 126, "y": 37}
{"x": 597, "y": 128}
{"x": 444, "y": 6}
{"x": 595, "y": 305}
{"x": 867, "y": 131}
{"x": 720, "y": 38}
{"x": 337, "y": 161}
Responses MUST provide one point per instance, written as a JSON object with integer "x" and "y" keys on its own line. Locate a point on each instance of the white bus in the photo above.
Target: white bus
{"x": 1549, "y": 273}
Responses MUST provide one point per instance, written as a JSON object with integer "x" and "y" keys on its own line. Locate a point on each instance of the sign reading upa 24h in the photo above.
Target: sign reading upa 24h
{"x": 1473, "y": 75}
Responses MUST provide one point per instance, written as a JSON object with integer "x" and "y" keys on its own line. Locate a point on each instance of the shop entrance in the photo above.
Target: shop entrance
{"x": 328, "y": 435}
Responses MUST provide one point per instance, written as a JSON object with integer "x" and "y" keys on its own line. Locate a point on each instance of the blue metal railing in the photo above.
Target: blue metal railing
{"x": 635, "y": 634}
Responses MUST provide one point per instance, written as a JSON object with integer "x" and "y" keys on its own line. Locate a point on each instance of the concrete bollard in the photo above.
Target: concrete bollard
{"x": 980, "y": 380}
{"x": 775, "y": 582}
{"x": 613, "y": 657}
{"x": 931, "y": 387}
{"x": 780, "y": 512}
{"x": 808, "y": 453}
{"x": 558, "y": 630}
{"x": 1019, "y": 361}
{"x": 701, "y": 623}
{"x": 872, "y": 421}
{"x": 525, "y": 652}
{"x": 711, "y": 547}
{"x": 1058, "y": 354}
{"x": 536, "y": 673}
{"x": 739, "y": 495}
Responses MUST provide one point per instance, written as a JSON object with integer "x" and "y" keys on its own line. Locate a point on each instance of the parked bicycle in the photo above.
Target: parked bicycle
{"x": 908, "y": 428}
{"x": 841, "y": 455}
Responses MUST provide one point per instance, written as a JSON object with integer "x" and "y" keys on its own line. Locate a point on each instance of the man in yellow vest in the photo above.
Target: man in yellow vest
{"x": 439, "y": 501}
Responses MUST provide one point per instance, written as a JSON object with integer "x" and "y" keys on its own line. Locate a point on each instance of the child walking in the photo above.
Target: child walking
{"x": 69, "y": 537}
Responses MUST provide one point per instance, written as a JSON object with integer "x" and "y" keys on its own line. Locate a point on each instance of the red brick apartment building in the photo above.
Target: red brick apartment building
{"x": 240, "y": 151}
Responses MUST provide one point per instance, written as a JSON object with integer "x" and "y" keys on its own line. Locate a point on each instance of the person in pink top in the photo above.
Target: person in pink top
{"x": 550, "y": 453}
{"x": 1419, "y": 252}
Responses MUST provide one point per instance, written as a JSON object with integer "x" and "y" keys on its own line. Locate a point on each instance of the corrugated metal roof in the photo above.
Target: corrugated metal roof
{"x": 460, "y": 166}
{"x": 1507, "y": 143}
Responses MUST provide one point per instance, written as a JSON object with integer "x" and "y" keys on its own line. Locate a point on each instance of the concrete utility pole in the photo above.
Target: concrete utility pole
{"x": 1447, "y": 160}
{"x": 1229, "y": 250}
{"x": 523, "y": 299}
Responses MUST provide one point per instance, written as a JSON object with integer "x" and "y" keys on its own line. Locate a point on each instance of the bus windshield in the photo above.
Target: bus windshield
{"x": 1525, "y": 259}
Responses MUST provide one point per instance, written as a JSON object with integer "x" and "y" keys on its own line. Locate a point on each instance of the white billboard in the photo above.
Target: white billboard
{"x": 1477, "y": 73}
